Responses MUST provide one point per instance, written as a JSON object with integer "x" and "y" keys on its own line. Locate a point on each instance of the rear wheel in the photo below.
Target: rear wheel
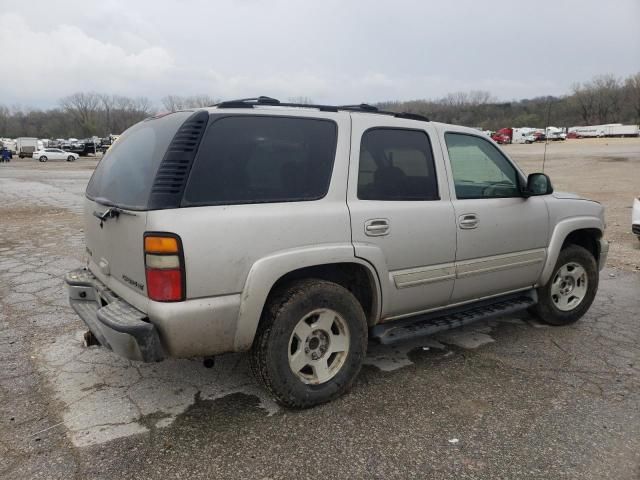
{"x": 310, "y": 343}
{"x": 43, "y": 158}
{"x": 573, "y": 285}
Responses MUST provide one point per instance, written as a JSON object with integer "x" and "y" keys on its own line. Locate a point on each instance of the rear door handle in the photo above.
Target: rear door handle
{"x": 376, "y": 227}
{"x": 468, "y": 221}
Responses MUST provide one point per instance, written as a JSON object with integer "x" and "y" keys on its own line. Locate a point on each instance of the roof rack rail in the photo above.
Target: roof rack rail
{"x": 362, "y": 108}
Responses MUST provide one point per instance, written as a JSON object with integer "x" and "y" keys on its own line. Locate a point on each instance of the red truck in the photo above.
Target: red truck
{"x": 502, "y": 136}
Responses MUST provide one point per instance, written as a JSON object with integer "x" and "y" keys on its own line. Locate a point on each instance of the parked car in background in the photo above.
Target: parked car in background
{"x": 503, "y": 136}
{"x": 555, "y": 134}
{"x": 539, "y": 136}
{"x": 635, "y": 217}
{"x": 54, "y": 154}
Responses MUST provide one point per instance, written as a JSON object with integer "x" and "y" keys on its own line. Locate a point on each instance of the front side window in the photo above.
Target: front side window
{"x": 479, "y": 169}
{"x": 261, "y": 159}
{"x": 396, "y": 164}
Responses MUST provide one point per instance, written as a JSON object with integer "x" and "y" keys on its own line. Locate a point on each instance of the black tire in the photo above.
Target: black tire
{"x": 269, "y": 356}
{"x": 546, "y": 310}
{"x": 43, "y": 158}
{"x": 71, "y": 158}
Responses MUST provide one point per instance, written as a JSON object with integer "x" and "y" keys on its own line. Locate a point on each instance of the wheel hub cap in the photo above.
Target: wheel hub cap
{"x": 569, "y": 286}
{"x": 318, "y": 346}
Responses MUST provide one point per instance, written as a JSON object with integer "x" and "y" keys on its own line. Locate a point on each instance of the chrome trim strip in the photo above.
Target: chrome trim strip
{"x": 424, "y": 275}
{"x": 453, "y": 305}
{"x": 496, "y": 263}
{"x": 446, "y": 271}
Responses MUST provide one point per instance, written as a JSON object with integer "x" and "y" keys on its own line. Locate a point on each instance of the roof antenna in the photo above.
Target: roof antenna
{"x": 546, "y": 131}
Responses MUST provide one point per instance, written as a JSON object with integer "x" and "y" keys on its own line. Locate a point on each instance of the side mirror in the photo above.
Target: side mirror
{"x": 538, "y": 184}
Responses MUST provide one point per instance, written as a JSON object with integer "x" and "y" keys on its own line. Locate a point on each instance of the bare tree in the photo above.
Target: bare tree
{"x": 108, "y": 102}
{"x": 472, "y": 98}
{"x": 300, "y": 100}
{"x": 608, "y": 97}
{"x": 173, "y": 103}
{"x": 632, "y": 94}
{"x": 127, "y": 111}
{"x": 83, "y": 107}
{"x": 198, "y": 101}
{"x": 584, "y": 97}
{"x": 5, "y": 116}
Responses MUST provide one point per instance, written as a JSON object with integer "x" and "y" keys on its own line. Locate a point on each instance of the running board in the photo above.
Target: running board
{"x": 434, "y": 322}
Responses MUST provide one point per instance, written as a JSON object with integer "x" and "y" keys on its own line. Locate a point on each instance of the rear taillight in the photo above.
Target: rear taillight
{"x": 164, "y": 265}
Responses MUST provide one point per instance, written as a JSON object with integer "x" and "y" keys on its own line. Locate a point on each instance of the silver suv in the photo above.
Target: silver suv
{"x": 300, "y": 232}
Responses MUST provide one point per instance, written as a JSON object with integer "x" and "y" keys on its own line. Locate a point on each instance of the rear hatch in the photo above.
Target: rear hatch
{"x": 118, "y": 197}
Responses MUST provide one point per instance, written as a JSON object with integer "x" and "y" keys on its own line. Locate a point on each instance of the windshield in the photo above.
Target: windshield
{"x": 125, "y": 174}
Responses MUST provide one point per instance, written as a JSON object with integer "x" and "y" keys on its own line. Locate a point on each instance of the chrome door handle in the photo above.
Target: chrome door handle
{"x": 376, "y": 227}
{"x": 468, "y": 221}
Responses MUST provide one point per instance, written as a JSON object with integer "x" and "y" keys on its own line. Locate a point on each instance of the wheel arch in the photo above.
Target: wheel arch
{"x": 332, "y": 263}
{"x": 583, "y": 231}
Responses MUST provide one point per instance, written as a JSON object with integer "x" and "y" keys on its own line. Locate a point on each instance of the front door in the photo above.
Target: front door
{"x": 402, "y": 219}
{"x": 502, "y": 236}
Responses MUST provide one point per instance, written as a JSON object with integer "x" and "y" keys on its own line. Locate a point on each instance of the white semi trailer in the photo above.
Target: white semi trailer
{"x": 608, "y": 130}
{"x": 25, "y": 146}
{"x": 621, "y": 130}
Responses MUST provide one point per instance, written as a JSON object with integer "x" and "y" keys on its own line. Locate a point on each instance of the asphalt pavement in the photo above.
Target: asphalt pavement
{"x": 509, "y": 398}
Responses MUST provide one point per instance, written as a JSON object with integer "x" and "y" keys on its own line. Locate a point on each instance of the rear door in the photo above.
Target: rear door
{"x": 502, "y": 236}
{"x": 122, "y": 185}
{"x": 402, "y": 220}
{"x": 115, "y": 249}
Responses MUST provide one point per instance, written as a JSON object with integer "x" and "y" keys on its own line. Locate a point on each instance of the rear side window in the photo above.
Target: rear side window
{"x": 396, "y": 164}
{"x": 126, "y": 173}
{"x": 259, "y": 159}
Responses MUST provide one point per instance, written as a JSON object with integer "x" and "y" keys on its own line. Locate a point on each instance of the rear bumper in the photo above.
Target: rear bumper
{"x": 116, "y": 324}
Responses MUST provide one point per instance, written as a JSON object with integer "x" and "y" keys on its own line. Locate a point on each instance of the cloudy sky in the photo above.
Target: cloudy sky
{"x": 328, "y": 50}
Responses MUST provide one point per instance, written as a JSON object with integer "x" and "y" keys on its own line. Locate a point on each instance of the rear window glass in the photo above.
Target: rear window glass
{"x": 258, "y": 159}
{"x": 125, "y": 174}
{"x": 396, "y": 164}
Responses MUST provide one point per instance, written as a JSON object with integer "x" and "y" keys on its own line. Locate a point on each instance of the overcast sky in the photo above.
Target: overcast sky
{"x": 328, "y": 50}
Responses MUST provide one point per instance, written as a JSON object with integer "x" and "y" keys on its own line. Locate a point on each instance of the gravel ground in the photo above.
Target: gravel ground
{"x": 503, "y": 399}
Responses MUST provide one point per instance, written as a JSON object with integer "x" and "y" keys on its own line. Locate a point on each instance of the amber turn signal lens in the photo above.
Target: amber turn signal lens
{"x": 160, "y": 245}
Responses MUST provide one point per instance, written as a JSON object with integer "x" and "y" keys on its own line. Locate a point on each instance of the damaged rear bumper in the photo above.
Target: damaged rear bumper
{"x": 116, "y": 324}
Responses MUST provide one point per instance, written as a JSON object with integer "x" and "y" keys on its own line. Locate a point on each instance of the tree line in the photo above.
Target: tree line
{"x": 86, "y": 114}
{"x": 604, "y": 99}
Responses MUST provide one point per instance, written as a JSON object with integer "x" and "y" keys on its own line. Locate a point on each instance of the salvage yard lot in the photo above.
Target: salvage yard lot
{"x": 502, "y": 399}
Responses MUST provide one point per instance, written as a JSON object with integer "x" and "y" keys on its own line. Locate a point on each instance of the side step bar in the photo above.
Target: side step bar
{"x": 434, "y": 322}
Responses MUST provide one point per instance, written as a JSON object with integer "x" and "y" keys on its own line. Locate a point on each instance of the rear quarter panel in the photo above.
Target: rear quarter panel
{"x": 222, "y": 243}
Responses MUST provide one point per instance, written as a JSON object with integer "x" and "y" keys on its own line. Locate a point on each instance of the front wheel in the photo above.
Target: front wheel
{"x": 310, "y": 344}
{"x": 71, "y": 158}
{"x": 570, "y": 292}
